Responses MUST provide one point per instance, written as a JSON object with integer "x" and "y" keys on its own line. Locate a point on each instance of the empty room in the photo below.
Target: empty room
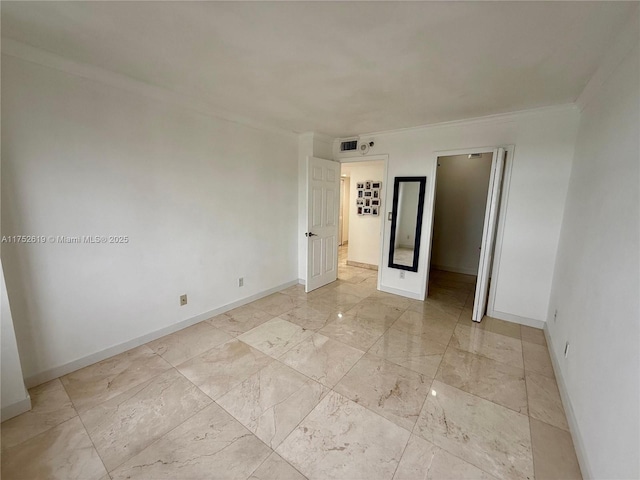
{"x": 320, "y": 240}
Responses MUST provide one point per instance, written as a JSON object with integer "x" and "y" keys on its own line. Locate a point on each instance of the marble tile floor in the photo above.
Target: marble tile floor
{"x": 341, "y": 383}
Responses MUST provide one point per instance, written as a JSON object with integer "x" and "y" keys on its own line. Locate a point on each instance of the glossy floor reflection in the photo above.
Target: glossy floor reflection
{"x": 343, "y": 383}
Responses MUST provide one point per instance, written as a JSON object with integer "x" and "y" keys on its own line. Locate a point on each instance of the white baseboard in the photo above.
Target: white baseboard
{"x": 574, "y": 429}
{"x": 302, "y": 281}
{"x": 466, "y": 271}
{"x": 402, "y": 293}
{"x": 15, "y": 409}
{"x": 509, "y": 317}
{"x": 55, "y": 372}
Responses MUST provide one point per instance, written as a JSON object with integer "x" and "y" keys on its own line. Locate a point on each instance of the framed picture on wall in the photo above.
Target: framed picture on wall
{"x": 360, "y": 186}
{"x": 376, "y": 185}
{"x": 359, "y": 201}
{"x": 360, "y": 193}
{"x": 374, "y": 211}
{"x": 368, "y": 193}
{"x": 366, "y": 211}
{"x": 375, "y": 202}
{"x": 376, "y": 193}
{"x": 360, "y": 212}
{"x": 367, "y": 185}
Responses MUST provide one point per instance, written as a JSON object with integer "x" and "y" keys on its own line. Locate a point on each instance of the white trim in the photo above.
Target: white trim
{"x": 574, "y": 430}
{"x": 15, "y": 409}
{"x": 465, "y": 271}
{"x": 55, "y": 372}
{"x": 14, "y": 48}
{"x": 495, "y": 118}
{"x": 509, "y": 317}
{"x": 301, "y": 281}
{"x": 402, "y": 293}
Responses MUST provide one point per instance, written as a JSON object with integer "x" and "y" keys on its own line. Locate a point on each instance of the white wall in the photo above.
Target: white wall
{"x": 544, "y": 141}
{"x": 15, "y": 399}
{"x": 203, "y": 201}
{"x": 596, "y": 281}
{"x": 461, "y": 197}
{"x": 364, "y": 230}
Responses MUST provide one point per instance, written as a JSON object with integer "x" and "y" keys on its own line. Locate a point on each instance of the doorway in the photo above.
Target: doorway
{"x": 361, "y": 218}
{"x": 466, "y": 201}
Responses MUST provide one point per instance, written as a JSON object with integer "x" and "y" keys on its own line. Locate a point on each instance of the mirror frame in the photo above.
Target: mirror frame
{"x": 394, "y": 221}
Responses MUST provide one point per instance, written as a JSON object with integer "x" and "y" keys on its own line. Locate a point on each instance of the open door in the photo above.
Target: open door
{"x": 323, "y": 202}
{"x": 488, "y": 234}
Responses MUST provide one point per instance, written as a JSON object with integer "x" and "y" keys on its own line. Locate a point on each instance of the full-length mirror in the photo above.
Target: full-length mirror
{"x": 406, "y": 222}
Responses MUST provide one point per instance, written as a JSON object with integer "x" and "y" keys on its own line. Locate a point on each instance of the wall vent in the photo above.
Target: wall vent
{"x": 348, "y": 145}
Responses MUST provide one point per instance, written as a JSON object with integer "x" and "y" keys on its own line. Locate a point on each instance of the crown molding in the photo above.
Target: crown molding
{"x": 495, "y": 118}
{"x": 14, "y": 48}
{"x": 624, "y": 43}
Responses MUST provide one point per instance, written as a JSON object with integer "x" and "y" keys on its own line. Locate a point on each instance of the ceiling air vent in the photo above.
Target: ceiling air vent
{"x": 348, "y": 145}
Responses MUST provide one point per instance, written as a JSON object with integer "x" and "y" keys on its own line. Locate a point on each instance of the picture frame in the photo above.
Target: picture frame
{"x": 367, "y": 193}
{"x": 366, "y": 211}
{"x": 360, "y": 212}
{"x": 367, "y": 185}
{"x": 376, "y": 193}
{"x": 374, "y": 211}
{"x": 360, "y": 186}
{"x": 375, "y": 202}
{"x": 360, "y": 193}
{"x": 360, "y": 201}
{"x": 376, "y": 185}
{"x": 367, "y": 202}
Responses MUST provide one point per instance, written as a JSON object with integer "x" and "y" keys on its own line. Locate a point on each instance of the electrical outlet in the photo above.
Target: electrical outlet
{"x": 241, "y": 282}
{"x": 566, "y": 350}
{"x": 555, "y": 316}
{"x": 183, "y": 299}
{"x": 402, "y": 274}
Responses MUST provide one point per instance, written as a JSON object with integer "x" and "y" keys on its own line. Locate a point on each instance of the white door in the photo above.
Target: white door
{"x": 323, "y": 202}
{"x": 488, "y": 235}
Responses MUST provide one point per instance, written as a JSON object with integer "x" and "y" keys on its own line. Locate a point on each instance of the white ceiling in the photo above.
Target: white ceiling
{"x": 339, "y": 68}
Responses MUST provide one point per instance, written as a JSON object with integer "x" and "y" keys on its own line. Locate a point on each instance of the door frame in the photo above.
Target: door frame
{"x": 385, "y": 160}
{"x": 504, "y": 197}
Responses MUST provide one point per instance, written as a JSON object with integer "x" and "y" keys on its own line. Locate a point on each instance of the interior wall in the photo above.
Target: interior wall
{"x": 596, "y": 281}
{"x": 344, "y": 207}
{"x": 364, "y": 230}
{"x": 202, "y": 201}
{"x": 14, "y": 397}
{"x": 462, "y": 184}
{"x": 544, "y": 142}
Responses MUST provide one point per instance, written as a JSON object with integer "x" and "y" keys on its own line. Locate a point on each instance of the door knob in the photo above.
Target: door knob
{"x": 310, "y": 234}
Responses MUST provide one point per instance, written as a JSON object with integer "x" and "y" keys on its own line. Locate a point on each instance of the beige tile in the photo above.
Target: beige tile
{"x": 490, "y": 324}
{"x": 322, "y": 358}
{"x": 296, "y": 291}
{"x": 447, "y": 296}
{"x": 125, "y": 425}
{"x": 340, "y": 439}
{"x": 50, "y": 406}
{"x": 336, "y": 299}
{"x": 312, "y": 315}
{"x": 239, "y": 320}
{"x": 553, "y": 454}
{"x": 497, "y": 347}
{"x": 423, "y": 460}
{"x": 484, "y": 377}
{"x": 211, "y": 444}
{"x": 271, "y": 402}
{"x": 416, "y": 323}
{"x": 537, "y": 360}
{"x": 532, "y": 335}
{"x": 389, "y": 299}
{"x": 489, "y": 436}
{"x": 101, "y": 381}
{"x": 223, "y": 367}
{"x": 392, "y": 391}
{"x": 275, "y": 337}
{"x": 374, "y": 310}
{"x": 544, "y": 400}
{"x": 63, "y": 452}
{"x": 188, "y": 342}
{"x": 361, "y": 290}
{"x": 416, "y": 352}
{"x": 276, "y": 304}
{"x": 441, "y": 311}
{"x": 276, "y": 468}
{"x": 360, "y": 333}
